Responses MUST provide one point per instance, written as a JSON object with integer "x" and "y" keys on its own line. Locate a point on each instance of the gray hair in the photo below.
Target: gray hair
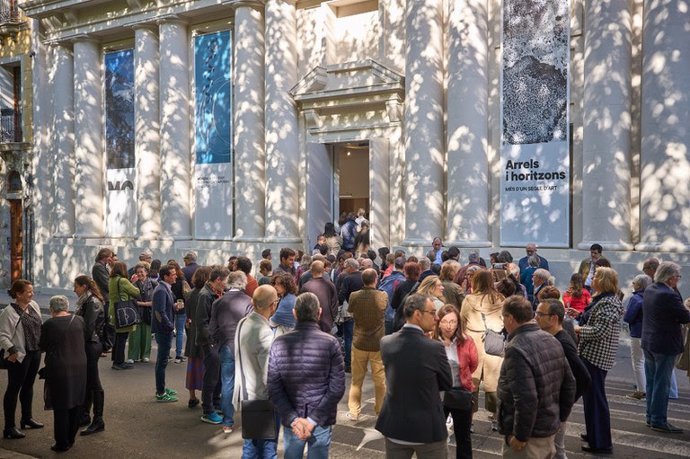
{"x": 424, "y": 264}
{"x": 641, "y": 281}
{"x": 351, "y": 263}
{"x": 58, "y": 303}
{"x": 666, "y": 270}
{"x": 307, "y": 307}
{"x": 238, "y": 280}
{"x": 533, "y": 260}
{"x": 415, "y": 302}
{"x": 543, "y": 274}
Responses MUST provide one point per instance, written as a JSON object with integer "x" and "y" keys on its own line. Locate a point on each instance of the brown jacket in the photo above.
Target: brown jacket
{"x": 367, "y": 307}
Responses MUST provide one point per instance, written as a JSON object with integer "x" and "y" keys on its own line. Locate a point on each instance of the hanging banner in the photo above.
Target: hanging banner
{"x": 535, "y": 158}
{"x": 121, "y": 205}
{"x": 213, "y": 136}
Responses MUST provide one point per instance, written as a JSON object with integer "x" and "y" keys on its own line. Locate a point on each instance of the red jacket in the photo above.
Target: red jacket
{"x": 468, "y": 360}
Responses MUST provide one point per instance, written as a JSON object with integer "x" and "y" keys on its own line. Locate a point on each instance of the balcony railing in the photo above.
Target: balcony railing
{"x": 9, "y": 13}
{"x": 10, "y": 126}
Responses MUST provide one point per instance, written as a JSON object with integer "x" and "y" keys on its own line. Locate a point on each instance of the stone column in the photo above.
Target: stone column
{"x": 282, "y": 140}
{"x": 467, "y": 136}
{"x": 250, "y": 156}
{"x": 175, "y": 159}
{"x": 147, "y": 132}
{"x": 63, "y": 141}
{"x": 424, "y": 122}
{"x": 607, "y": 125}
{"x": 665, "y": 158}
{"x": 88, "y": 134}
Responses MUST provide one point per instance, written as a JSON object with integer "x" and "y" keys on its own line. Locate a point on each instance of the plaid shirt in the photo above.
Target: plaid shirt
{"x": 599, "y": 337}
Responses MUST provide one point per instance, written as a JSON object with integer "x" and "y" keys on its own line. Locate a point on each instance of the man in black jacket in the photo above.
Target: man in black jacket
{"x": 210, "y": 393}
{"x": 549, "y": 316}
{"x": 417, "y": 369}
{"x": 536, "y": 388}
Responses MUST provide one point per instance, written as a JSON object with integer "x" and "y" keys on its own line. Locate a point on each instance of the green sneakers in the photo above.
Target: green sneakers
{"x": 167, "y": 396}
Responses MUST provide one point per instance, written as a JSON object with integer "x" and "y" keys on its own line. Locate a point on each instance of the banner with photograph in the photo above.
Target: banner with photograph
{"x": 121, "y": 206}
{"x": 213, "y": 136}
{"x": 535, "y": 156}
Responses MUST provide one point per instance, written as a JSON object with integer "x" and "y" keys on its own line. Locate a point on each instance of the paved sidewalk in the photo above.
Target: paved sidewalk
{"x": 7, "y": 454}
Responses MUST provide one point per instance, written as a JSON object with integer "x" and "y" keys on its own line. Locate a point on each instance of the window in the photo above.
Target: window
{"x": 10, "y": 103}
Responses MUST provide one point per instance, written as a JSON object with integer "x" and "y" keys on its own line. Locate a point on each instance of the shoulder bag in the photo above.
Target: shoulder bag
{"x": 258, "y": 416}
{"x": 494, "y": 342}
{"x": 126, "y": 312}
{"x": 458, "y": 398}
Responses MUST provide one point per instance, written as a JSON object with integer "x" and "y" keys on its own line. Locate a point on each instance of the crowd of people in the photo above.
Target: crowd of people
{"x": 433, "y": 331}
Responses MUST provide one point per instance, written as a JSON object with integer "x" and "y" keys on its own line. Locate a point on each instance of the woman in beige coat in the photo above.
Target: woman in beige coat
{"x": 484, "y": 300}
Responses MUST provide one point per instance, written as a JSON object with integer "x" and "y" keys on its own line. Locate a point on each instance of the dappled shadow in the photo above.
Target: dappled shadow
{"x": 607, "y": 124}
{"x": 665, "y": 196}
{"x": 424, "y": 155}
{"x": 468, "y": 127}
{"x": 282, "y": 143}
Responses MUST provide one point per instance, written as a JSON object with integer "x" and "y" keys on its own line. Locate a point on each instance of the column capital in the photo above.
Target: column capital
{"x": 171, "y": 19}
{"x": 291, "y": 2}
{"x": 255, "y": 4}
{"x": 147, "y": 26}
{"x": 83, "y": 38}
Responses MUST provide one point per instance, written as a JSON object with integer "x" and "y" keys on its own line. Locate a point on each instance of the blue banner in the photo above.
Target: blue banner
{"x": 213, "y": 104}
{"x": 119, "y": 109}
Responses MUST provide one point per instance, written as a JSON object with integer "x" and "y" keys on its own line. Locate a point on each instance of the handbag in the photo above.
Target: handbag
{"x": 126, "y": 312}
{"x": 458, "y": 398}
{"x": 494, "y": 342}
{"x": 258, "y": 420}
{"x": 258, "y": 416}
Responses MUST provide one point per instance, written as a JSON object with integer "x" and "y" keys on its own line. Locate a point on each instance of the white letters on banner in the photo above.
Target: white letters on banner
{"x": 535, "y": 159}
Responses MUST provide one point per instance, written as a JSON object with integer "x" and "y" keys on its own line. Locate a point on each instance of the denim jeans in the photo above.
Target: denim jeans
{"x": 164, "y": 341}
{"x": 658, "y": 369}
{"x": 319, "y": 443}
{"x": 348, "y": 330}
{"x": 260, "y": 449}
{"x": 180, "y": 319}
{"x": 227, "y": 377}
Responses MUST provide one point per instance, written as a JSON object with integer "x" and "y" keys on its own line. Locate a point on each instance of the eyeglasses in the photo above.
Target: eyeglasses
{"x": 542, "y": 314}
{"x": 452, "y": 323}
{"x": 432, "y": 312}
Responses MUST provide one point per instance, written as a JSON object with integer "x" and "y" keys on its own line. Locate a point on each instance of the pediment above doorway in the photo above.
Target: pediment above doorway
{"x": 365, "y": 87}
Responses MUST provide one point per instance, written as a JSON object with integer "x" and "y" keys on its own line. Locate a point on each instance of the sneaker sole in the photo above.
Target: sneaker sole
{"x": 210, "y": 421}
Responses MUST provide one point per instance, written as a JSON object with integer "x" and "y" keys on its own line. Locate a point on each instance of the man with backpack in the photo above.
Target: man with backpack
{"x": 389, "y": 284}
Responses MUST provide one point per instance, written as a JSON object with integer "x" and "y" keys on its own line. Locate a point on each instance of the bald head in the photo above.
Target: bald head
{"x": 365, "y": 263}
{"x": 369, "y": 277}
{"x": 265, "y": 299}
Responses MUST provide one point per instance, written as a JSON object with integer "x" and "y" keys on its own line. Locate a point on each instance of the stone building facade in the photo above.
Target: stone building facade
{"x": 242, "y": 115}
{"x": 16, "y": 137}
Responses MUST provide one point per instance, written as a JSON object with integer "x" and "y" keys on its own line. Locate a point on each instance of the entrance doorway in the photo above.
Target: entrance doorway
{"x": 16, "y": 239}
{"x": 352, "y": 167}
{"x": 345, "y": 177}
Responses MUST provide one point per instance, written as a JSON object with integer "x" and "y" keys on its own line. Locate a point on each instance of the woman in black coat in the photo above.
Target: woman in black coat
{"x": 62, "y": 339}
{"x": 90, "y": 309}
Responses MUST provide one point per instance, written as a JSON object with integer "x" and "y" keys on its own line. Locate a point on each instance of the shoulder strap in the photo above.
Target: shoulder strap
{"x": 245, "y": 395}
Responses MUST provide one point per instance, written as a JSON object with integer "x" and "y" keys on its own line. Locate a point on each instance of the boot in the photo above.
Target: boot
{"x": 86, "y": 412}
{"x": 97, "y": 425}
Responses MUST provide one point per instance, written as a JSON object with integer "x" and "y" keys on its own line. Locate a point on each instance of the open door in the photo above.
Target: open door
{"x": 319, "y": 190}
{"x": 16, "y": 239}
{"x": 379, "y": 192}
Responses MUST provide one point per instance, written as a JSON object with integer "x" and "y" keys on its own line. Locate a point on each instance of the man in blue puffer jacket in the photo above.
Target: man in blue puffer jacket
{"x": 306, "y": 380}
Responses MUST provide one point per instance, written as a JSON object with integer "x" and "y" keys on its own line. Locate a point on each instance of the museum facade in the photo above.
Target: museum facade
{"x": 230, "y": 126}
